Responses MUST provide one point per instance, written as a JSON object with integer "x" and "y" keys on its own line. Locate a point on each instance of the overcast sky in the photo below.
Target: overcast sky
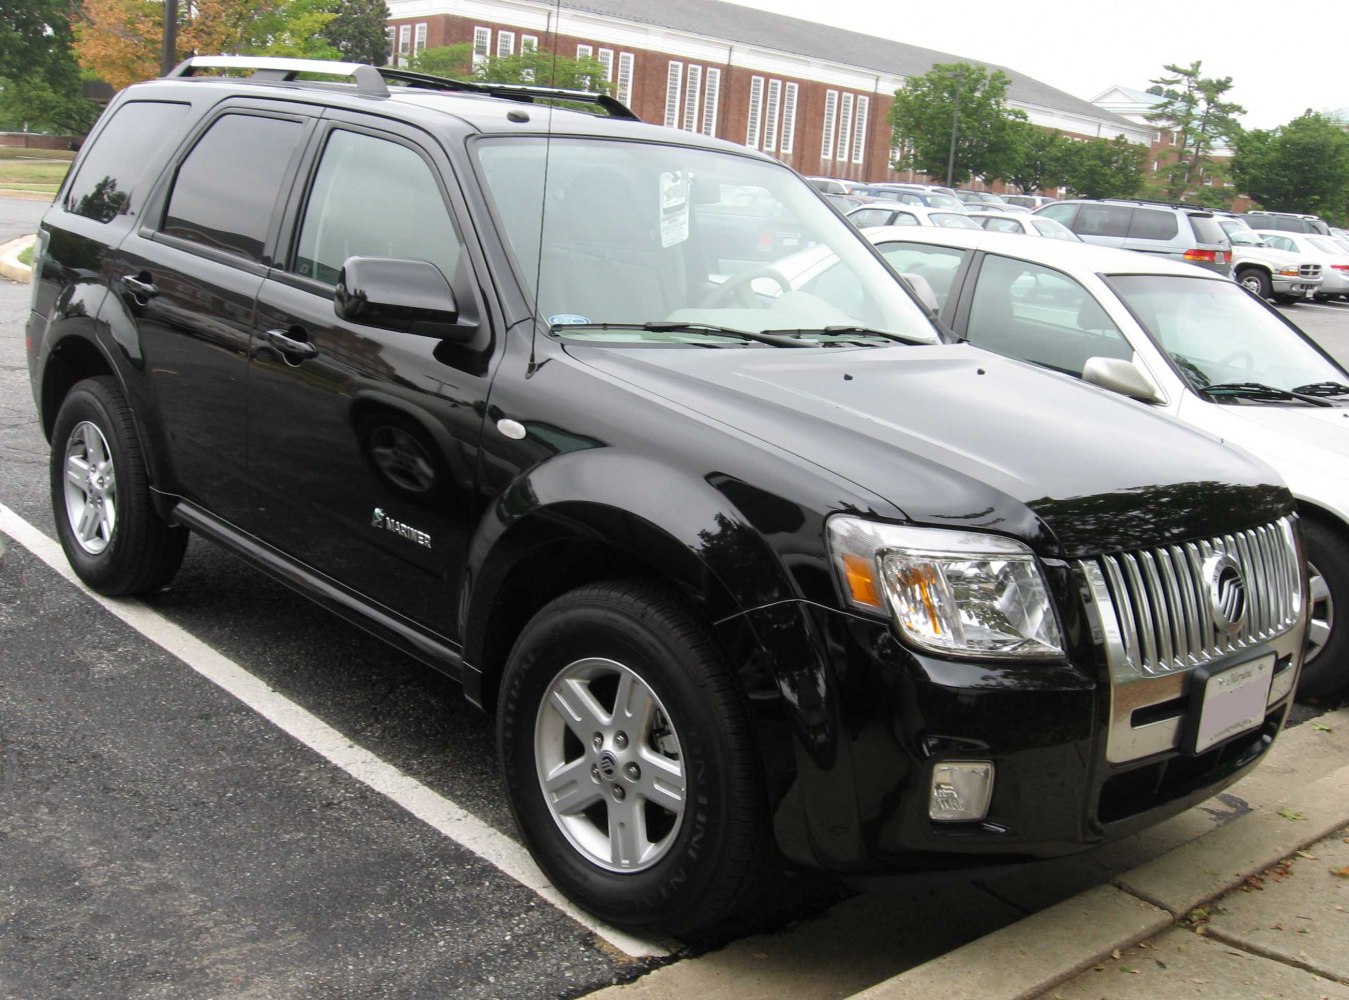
{"x": 1283, "y": 57}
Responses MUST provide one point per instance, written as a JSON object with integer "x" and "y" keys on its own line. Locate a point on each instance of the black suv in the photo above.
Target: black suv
{"x": 743, "y": 554}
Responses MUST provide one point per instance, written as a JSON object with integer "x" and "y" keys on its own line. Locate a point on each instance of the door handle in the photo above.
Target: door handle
{"x": 289, "y": 345}
{"x": 139, "y": 285}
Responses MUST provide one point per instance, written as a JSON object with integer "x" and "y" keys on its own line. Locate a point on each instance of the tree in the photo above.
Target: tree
{"x": 1202, "y": 121}
{"x": 357, "y": 32}
{"x": 40, "y": 85}
{"x": 1300, "y": 167}
{"x": 1041, "y": 158}
{"x": 538, "y": 67}
{"x": 964, "y": 99}
{"x": 1104, "y": 168}
{"x": 120, "y": 40}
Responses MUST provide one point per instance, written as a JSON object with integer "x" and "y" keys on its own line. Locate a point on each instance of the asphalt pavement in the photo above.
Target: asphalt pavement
{"x": 162, "y": 835}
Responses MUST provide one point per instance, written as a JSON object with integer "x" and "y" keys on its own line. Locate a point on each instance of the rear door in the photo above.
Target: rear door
{"x": 188, "y": 276}
{"x": 363, "y": 441}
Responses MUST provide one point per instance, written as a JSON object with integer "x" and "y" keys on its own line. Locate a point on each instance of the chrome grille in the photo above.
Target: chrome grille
{"x": 1161, "y": 602}
{"x": 1309, "y": 271}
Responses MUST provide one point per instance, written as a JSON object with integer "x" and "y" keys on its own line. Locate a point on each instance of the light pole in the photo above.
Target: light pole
{"x": 169, "y": 54}
{"x": 955, "y": 128}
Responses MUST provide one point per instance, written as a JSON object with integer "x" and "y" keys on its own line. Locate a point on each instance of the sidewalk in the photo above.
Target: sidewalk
{"x": 9, "y": 259}
{"x": 1045, "y": 932}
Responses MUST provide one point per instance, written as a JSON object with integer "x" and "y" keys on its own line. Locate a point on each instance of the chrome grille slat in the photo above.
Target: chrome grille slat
{"x": 1161, "y": 600}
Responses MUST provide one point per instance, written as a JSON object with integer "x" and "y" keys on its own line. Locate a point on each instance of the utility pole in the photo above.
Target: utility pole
{"x": 955, "y": 128}
{"x": 169, "y": 54}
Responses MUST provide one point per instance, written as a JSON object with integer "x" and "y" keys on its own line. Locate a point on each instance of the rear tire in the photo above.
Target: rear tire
{"x": 631, "y": 761}
{"x": 1326, "y": 669}
{"x": 105, "y": 519}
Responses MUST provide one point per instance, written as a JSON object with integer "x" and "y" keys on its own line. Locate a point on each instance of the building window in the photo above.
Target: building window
{"x": 845, "y": 127}
{"x": 693, "y": 90}
{"x": 755, "y": 112}
{"x": 625, "y": 60}
{"x": 606, "y": 58}
{"x": 404, "y": 42}
{"x": 673, "y": 75}
{"x": 419, "y": 38}
{"x": 859, "y": 132}
{"x": 788, "y": 117}
{"x": 770, "y": 125}
{"x": 585, "y": 51}
{"x": 482, "y": 45}
{"x": 529, "y": 43}
{"x": 827, "y": 132}
{"x": 391, "y": 34}
{"x": 711, "y": 94}
{"x": 505, "y": 43}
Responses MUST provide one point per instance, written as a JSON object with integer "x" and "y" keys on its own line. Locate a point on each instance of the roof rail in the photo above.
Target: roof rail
{"x": 372, "y": 80}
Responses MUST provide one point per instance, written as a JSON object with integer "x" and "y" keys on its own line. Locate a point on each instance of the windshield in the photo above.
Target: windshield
{"x": 1217, "y": 334}
{"x": 1327, "y": 245}
{"x": 609, "y": 235}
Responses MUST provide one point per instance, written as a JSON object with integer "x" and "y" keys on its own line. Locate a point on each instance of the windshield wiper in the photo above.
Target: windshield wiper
{"x": 669, "y": 326}
{"x": 1258, "y": 390}
{"x": 849, "y": 334}
{"x": 1323, "y": 389}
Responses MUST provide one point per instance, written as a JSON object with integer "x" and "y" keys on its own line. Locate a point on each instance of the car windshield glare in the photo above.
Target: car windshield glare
{"x": 607, "y": 233}
{"x": 1217, "y": 333}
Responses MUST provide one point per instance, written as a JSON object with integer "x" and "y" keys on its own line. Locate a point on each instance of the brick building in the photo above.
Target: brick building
{"x": 815, "y": 97}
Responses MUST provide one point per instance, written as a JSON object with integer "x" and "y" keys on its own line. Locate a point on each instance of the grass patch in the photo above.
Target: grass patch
{"x": 15, "y": 172}
{"x": 26, "y": 256}
{"x": 20, "y": 153}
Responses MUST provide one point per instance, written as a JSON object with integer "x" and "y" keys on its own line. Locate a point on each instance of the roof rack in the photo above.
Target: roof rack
{"x": 372, "y": 80}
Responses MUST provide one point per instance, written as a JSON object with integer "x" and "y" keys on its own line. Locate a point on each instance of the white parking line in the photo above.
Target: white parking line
{"x": 428, "y": 806}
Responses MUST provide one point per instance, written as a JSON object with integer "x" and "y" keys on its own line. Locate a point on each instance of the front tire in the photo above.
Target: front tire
{"x": 107, "y": 525}
{"x": 630, "y": 760}
{"x": 1326, "y": 668}
{"x": 1255, "y": 281}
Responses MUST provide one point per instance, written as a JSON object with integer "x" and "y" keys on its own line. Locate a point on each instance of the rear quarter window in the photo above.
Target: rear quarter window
{"x": 117, "y": 169}
{"x": 1207, "y": 230}
{"x": 1150, "y": 224}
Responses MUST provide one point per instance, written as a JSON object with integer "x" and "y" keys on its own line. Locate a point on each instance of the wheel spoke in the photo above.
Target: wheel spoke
{"x": 1319, "y": 589}
{"x": 573, "y": 700}
{"x": 662, "y": 782}
{"x": 77, "y": 471}
{"x": 90, "y": 521}
{"x": 93, "y": 446}
{"x": 633, "y": 704}
{"x": 1318, "y": 634}
{"x": 570, "y": 788}
{"x": 627, "y": 832}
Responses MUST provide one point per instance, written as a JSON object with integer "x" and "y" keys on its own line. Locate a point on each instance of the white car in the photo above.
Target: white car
{"x": 1333, "y": 257}
{"x": 894, "y": 213}
{"x": 1026, "y": 224}
{"x": 1268, "y": 272}
{"x": 1182, "y": 340}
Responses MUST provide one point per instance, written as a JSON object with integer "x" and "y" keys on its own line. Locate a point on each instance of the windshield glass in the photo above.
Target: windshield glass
{"x": 625, "y": 233}
{"x": 1216, "y": 333}
{"x": 1327, "y": 245}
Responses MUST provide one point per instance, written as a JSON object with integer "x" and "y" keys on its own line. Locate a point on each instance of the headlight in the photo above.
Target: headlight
{"x": 1289, "y": 272}
{"x": 957, "y": 592}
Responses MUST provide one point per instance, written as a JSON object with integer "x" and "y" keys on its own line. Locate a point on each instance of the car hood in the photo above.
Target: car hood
{"x": 1289, "y": 437}
{"x": 952, "y": 435}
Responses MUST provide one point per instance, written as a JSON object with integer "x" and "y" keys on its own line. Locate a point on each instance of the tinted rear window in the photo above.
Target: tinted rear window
{"x": 1207, "y": 230}
{"x": 1151, "y": 224}
{"x": 116, "y": 165}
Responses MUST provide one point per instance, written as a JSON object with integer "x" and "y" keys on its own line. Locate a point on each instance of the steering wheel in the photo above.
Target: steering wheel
{"x": 737, "y": 288}
{"x": 1246, "y": 358}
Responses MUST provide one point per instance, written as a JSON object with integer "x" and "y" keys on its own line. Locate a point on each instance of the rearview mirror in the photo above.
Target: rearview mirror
{"x": 1124, "y": 377}
{"x": 408, "y": 296}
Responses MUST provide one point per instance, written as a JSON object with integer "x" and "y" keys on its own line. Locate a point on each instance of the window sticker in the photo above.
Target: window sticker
{"x": 674, "y": 208}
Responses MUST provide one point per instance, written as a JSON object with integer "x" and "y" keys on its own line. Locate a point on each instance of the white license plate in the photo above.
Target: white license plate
{"x": 1234, "y": 701}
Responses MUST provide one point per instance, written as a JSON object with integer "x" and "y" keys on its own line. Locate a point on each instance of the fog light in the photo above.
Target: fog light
{"x": 960, "y": 791}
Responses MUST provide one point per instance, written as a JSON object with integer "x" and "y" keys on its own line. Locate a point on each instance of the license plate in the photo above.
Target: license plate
{"x": 1233, "y": 701}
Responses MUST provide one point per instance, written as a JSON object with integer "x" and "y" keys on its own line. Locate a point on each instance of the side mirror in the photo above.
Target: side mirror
{"x": 1124, "y": 377}
{"x": 408, "y": 296}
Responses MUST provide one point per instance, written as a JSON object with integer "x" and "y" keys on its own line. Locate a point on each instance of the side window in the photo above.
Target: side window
{"x": 868, "y": 217}
{"x": 936, "y": 265}
{"x": 1150, "y": 224}
{"x": 1037, "y": 314}
{"x": 1280, "y": 243}
{"x": 119, "y": 160}
{"x": 227, "y": 186}
{"x": 1103, "y": 220}
{"x": 1059, "y": 213}
{"x": 1000, "y": 225}
{"x": 904, "y": 219}
{"x": 373, "y": 197}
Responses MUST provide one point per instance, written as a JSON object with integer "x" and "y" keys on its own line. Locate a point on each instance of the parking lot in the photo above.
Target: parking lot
{"x": 226, "y": 791}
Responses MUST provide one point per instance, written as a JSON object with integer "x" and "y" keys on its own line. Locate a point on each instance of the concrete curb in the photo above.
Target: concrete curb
{"x": 1032, "y": 956}
{"x": 9, "y": 259}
